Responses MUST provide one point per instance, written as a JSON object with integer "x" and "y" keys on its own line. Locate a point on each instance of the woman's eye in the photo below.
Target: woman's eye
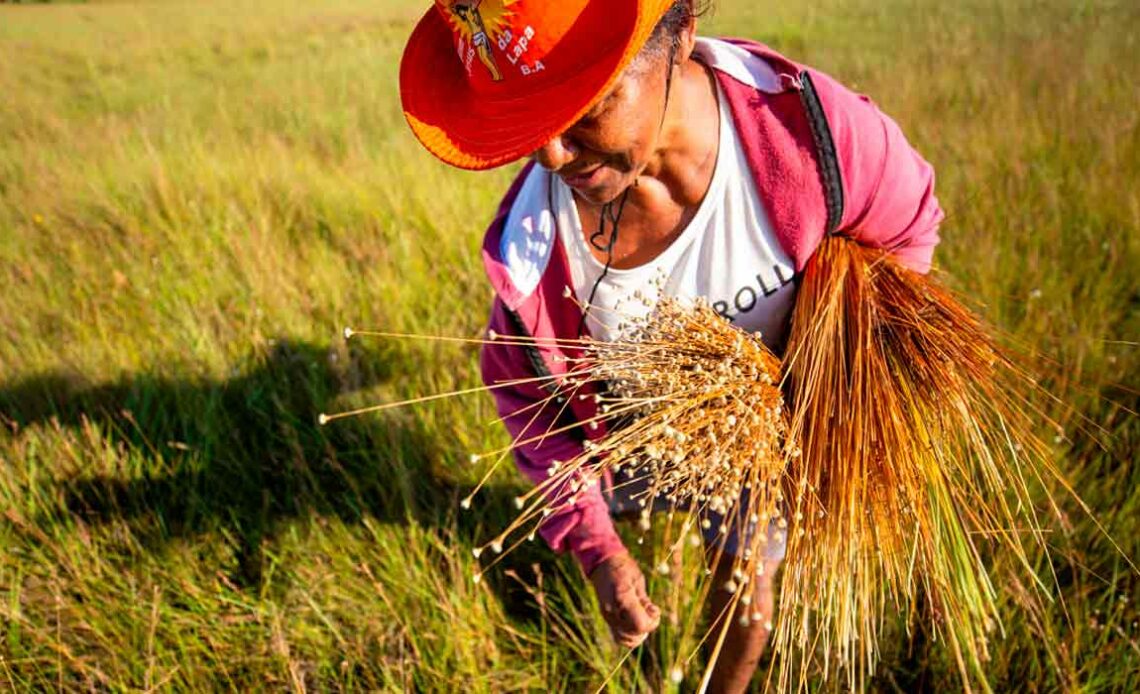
{"x": 603, "y": 107}
{"x": 588, "y": 121}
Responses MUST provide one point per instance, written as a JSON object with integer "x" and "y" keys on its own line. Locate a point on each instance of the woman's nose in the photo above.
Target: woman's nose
{"x": 556, "y": 153}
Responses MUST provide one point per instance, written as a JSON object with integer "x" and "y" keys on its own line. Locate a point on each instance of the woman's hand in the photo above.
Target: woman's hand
{"x": 620, "y": 586}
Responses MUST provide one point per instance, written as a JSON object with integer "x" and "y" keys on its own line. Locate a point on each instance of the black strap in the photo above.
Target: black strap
{"x": 826, "y": 154}
{"x": 614, "y": 218}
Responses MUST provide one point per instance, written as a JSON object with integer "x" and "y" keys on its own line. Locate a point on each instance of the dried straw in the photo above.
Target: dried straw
{"x": 917, "y": 442}
{"x": 696, "y": 418}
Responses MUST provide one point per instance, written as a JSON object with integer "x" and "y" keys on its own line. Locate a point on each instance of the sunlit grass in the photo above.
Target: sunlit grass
{"x": 195, "y": 199}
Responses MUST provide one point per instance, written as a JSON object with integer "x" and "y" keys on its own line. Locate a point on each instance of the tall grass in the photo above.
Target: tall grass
{"x": 194, "y": 198}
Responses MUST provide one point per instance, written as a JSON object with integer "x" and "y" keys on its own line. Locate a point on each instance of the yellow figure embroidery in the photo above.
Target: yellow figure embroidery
{"x": 468, "y": 13}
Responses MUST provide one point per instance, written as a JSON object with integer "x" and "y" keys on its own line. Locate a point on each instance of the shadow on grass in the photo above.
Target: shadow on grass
{"x": 244, "y": 454}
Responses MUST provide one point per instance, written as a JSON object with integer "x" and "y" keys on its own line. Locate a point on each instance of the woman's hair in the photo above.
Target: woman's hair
{"x": 667, "y": 33}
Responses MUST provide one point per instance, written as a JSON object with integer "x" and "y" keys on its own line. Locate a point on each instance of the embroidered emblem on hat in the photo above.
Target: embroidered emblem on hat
{"x": 479, "y": 25}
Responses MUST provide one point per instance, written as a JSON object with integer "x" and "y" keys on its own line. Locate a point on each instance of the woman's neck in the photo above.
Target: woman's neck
{"x": 686, "y": 155}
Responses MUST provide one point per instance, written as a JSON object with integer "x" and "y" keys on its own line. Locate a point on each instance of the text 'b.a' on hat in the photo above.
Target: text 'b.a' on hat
{"x": 486, "y": 82}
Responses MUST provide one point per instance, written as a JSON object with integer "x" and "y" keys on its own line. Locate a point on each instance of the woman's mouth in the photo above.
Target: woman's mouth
{"x": 585, "y": 179}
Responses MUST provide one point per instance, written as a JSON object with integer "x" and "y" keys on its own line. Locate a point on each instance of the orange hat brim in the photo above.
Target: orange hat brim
{"x": 481, "y": 131}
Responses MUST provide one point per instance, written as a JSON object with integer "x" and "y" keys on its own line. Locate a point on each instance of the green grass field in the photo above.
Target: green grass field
{"x": 196, "y": 197}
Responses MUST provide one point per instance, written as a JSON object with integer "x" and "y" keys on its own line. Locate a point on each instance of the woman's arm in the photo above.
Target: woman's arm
{"x": 584, "y": 527}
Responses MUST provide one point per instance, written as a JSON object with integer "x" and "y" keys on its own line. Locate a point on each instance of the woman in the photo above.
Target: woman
{"x": 658, "y": 160}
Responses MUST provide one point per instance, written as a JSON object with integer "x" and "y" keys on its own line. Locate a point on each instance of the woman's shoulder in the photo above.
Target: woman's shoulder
{"x": 520, "y": 240}
{"x": 753, "y": 72}
{"x": 875, "y": 186}
{"x": 750, "y": 63}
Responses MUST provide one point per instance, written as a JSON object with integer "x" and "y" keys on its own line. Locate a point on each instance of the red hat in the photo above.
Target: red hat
{"x": 486, "y": 82}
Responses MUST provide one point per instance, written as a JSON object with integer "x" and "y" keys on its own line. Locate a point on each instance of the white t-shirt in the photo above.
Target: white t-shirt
{"x": 727, "y": 254}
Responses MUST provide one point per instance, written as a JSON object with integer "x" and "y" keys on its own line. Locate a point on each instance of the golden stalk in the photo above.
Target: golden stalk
{"x": 917, "y": 443}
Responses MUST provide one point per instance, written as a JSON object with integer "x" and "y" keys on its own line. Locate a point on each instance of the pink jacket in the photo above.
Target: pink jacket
{"x": 824, "y": 159}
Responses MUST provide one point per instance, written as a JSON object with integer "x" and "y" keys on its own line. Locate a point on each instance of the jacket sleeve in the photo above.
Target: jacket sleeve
{"x": 888, "y": 188}
{"x": 583, "y": 527}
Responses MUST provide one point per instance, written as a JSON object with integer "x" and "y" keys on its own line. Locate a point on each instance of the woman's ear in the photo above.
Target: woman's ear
{"x": 686, "y": 42}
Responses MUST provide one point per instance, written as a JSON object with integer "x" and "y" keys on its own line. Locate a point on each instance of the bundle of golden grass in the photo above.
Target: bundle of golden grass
{"x": 695, "y": 418}
{"x": 696, "y": 422}
{"x": 918, "y": 444}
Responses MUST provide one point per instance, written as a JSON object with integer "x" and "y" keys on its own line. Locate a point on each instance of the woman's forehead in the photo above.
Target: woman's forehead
{"x": 630, "y": 76}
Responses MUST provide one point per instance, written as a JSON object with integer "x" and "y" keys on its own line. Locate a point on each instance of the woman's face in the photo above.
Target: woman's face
{"x": 603, "y": 153}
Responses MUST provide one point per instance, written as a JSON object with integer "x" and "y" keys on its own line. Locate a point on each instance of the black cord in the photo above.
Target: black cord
{"x": 614, "y": 219}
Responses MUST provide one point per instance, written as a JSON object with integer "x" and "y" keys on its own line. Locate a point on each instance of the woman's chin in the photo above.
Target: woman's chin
{"x": 594, "y": 198}
{"x": 601, "y": 192}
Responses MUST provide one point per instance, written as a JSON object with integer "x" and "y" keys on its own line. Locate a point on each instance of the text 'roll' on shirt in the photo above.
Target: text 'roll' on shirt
{"x": 728, "y": 254}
